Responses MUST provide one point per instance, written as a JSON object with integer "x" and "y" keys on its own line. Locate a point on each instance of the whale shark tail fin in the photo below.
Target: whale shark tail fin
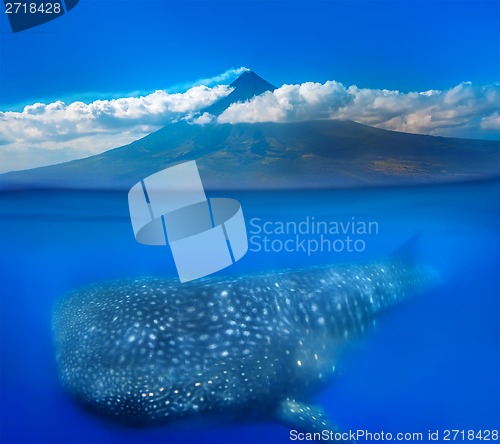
{"x": 306, "y": 418}
{"x": 407, "y": 252}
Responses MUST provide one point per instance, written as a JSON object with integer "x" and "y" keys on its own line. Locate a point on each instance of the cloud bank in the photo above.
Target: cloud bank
{"x": 463, "y": 111}
{"x": 44, "y": 134}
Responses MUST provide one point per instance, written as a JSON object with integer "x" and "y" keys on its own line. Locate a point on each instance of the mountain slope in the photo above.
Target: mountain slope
{"x": 312, "y": 154}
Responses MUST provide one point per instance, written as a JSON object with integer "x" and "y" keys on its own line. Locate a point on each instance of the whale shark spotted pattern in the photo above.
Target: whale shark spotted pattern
{"x": 151, "y": 350}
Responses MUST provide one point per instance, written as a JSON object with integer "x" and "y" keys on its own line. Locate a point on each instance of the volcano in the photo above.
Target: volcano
{"x": 308, "y": 154}
{"x": 245, "y": 87}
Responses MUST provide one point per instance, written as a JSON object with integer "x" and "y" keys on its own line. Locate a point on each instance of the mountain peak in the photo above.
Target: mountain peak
{"x": 251, "y": 81}
{"x": 246, "y": 86}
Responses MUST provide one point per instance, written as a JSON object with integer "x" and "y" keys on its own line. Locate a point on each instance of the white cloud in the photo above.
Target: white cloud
{"x": 43, "y": 134}
{"x": 491, "y": 122}
{"x": 226, "y": 77}
{"x": 202, "y": 120}
{"x": 290, "y": 103}
{"x": 463, "y": 111}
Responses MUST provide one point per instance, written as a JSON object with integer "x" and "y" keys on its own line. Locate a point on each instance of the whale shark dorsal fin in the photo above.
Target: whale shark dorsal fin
{"x": 407, "y": 252}
{"x": 306, "y": 418}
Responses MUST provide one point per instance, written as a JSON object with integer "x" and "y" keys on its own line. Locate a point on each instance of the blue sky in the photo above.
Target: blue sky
{"x": 107, "y": 48}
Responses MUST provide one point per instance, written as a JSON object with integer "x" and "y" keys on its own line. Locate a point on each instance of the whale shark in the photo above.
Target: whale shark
{"x": 151, "y": 350}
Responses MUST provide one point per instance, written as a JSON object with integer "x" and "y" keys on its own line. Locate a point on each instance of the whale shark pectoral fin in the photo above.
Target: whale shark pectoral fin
{"x": 307, "y": 418}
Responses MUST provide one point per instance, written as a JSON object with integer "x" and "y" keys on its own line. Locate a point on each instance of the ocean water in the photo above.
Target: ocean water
{"x": 432, "y": 363}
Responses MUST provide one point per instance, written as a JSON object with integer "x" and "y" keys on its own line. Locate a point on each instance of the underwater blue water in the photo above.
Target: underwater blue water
{"x": 431, "y": 363}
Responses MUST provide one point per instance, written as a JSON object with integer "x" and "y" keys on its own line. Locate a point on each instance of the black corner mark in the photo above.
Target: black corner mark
{"x": 70, "y": 4}
{"x": 26, "y": 14}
